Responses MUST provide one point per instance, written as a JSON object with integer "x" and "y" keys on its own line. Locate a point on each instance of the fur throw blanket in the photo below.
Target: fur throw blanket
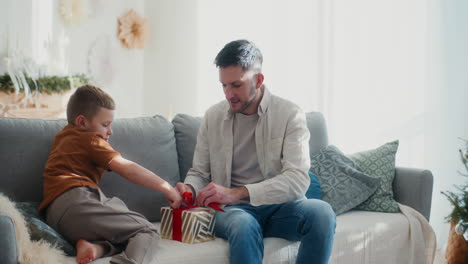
{"x": 29, "y": 252}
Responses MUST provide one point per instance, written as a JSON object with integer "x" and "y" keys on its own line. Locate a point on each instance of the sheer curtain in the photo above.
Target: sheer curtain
{"x": 379, "y": 61}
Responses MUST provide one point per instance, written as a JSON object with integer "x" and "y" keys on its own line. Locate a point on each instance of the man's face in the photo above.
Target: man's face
{"x": 101, "y": 123}
{"x": 239, "y": 88}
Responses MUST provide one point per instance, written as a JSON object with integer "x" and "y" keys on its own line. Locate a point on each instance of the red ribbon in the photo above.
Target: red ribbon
{"x": 177, "y": 215}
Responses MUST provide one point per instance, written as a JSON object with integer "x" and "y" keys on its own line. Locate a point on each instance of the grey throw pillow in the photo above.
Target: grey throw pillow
{"x": 379, "y": 163}
{"x": 149, "y": 142}
{"x": 186, "y": 131}
{"x": 343, "y": 184}
{"x": 39, "y": 230}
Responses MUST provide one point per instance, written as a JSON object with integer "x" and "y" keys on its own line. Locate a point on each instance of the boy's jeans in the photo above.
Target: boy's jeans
{"x": 310, "y": 221}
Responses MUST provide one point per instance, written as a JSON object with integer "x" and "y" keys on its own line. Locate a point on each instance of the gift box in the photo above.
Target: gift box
{"x": 195, "y": 224}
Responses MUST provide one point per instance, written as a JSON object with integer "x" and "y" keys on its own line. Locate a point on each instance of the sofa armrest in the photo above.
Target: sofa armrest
{"x": 8, "y": 252}
{"x": 413, "y": 187}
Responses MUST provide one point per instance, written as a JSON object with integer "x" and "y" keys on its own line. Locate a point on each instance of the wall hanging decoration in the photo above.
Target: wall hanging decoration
{"x": 101, "y": 61}
{"x": 73, "y": 12}
{"x": 133, "y": 30}
{"x": 28, "y": 91}
{"x": 47, "y": 96}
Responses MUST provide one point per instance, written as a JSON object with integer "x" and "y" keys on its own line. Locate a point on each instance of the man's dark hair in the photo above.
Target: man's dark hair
{"x": 86, "y": 101}
{"x": 240, "y": 52}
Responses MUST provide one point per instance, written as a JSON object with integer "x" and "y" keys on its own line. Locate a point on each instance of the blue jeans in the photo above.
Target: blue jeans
{"x": 310, "y": 221}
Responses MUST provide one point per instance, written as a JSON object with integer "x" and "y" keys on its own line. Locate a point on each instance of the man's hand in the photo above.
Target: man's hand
{"x": 214, "y": 193}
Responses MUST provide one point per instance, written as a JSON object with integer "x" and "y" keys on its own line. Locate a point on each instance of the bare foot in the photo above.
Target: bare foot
{"x": 87, "y": 251}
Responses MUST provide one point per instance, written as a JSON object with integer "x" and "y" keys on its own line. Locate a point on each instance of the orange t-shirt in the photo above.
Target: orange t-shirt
{"x": 78, "y": 158}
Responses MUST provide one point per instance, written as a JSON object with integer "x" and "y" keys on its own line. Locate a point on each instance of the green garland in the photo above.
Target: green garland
{"x": 48, "y": 84}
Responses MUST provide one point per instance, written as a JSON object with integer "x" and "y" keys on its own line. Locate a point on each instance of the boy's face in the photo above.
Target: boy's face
{"x": 101, "y": 123}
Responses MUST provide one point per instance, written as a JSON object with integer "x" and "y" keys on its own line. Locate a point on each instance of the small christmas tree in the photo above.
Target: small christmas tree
{"x": 457, "y": 246}
{"x": 459, "y": 200}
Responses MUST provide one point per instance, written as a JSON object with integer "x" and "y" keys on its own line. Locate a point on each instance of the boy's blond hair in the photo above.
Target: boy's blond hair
{"x": 86, "y": 101}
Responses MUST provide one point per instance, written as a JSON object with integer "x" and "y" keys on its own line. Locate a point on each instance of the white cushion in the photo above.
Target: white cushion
{"x": 370, "y": 237}
{"x": 361, "y": 237}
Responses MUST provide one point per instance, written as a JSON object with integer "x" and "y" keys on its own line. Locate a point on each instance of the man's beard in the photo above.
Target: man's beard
{"x": 245, "y": 105}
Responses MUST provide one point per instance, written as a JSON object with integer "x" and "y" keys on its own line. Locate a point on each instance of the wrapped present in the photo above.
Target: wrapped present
{"x": 194, "y": 225}
{"x": 191, "y": 224}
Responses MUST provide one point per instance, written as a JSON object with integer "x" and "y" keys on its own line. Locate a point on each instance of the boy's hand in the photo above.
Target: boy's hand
{"x": 141, "y": 176}
{"x": 174, "y": 198}
{"x": 181, "y": 188}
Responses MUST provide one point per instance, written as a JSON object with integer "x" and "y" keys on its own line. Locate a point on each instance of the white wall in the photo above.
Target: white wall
{"x": 170, "y": 60}
{"x": 180, "y": 76}
{"x": 32, "y": 22}
{"x": 15, "y": 27}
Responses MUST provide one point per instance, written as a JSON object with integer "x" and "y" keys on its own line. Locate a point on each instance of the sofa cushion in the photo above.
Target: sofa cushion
{"x": 186, "y": 131}
{"x": 313, "y": 192}
{"x": 372, "y": 237}
{"x": 343, "y": 184}
{"x": 318, "y": 132}
{"x": 150, "y": 142}
{"x": 379, "y": 163}
{"x": 361, "y": 238}
{"x": 8, "y": 248}
{"x": 39, "y": 230}
{"x": 25, "y": 146}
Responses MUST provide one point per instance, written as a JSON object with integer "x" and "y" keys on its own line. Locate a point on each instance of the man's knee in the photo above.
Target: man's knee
{"x": 320, "y": 215}
{"x": 238, "y": 222}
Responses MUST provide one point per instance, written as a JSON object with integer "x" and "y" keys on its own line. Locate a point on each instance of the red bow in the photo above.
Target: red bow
{"x": 177, "y": 215}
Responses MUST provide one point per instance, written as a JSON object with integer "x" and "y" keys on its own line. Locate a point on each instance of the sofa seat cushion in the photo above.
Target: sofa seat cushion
{"x": 361, "y": 237}
{"x": 371, "y": 237}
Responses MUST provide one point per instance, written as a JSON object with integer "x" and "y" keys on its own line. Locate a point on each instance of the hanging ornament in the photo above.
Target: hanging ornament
{"x": 73, "y": 12}
{"x": 459, "y": 228}
{"x": 133, "y": 30}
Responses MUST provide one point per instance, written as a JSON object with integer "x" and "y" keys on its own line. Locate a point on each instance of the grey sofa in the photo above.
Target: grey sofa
{"x": 154, "y": 142}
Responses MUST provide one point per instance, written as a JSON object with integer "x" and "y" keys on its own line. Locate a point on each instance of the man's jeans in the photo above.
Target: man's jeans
{"x": 310, "y": 221}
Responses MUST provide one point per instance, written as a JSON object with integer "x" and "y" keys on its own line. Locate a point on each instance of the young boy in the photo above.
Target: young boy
{"x": 75, "y": 205}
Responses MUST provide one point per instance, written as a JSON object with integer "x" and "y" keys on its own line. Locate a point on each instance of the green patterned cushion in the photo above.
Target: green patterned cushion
{"x": 342, "y": 183}
{"x": 39, "y": 230}
{"x": 379, "y": 163}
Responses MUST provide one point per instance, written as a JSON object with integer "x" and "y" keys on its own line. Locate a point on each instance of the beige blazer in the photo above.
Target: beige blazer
{"x": 282, "y": 141}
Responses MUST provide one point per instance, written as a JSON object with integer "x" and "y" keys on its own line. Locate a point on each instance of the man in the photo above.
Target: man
{"x": 252, "y": 155}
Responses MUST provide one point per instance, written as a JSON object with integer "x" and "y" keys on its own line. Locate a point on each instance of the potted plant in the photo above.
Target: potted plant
{"x": 457, "y": 248}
